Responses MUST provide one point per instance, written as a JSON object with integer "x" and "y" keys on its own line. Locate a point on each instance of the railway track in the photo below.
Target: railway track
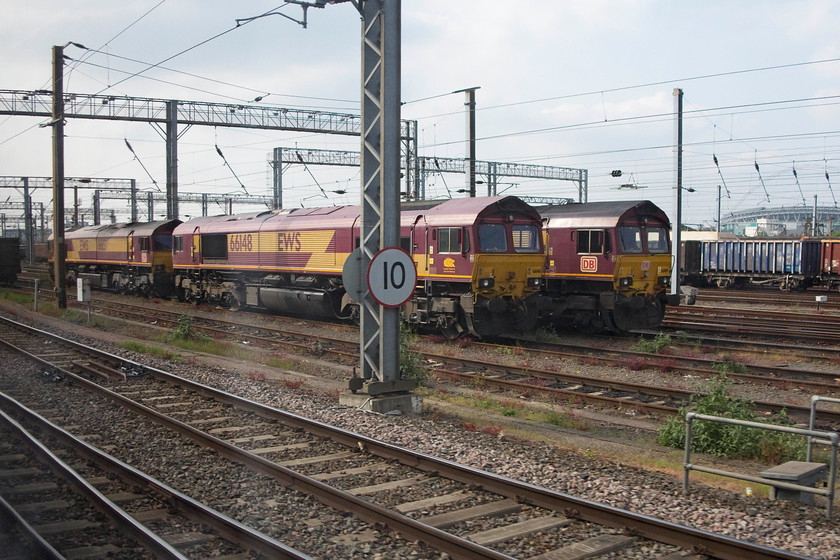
{"x": 804, "y": 301}
{"x": 801, "y": 326}
{"x": 66, "y": 498}
{"x": 528, "y": 380}
{"x": 422, "y": 498}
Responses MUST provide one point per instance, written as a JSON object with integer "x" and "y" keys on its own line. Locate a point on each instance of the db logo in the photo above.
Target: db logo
{"x": 589, "y": 264}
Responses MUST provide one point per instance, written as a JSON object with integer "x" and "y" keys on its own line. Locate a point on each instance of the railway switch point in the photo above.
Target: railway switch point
{"x": 795, "y": 472}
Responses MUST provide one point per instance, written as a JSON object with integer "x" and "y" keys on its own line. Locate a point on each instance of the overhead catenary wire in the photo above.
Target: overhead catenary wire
{"x": 796, "y": 176}
{"x": 829, "y": 182}
{"x": 137, "y": 158}
{"x": 300, "y": 159}
{"x": 760, "y": 178}
{"x": 714, "y": 156}
{"x": 219, "y": 151}
{"x": 448, "y": 192}
{"x": 167, "y": 59}
{"x": 106, "y": 43}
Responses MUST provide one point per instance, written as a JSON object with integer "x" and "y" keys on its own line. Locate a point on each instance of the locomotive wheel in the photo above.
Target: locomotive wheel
{"x": 451, "y": 332}
{"x": 231, "y": 302}
{"x": 451, "y": 328}
{"x": 649, "y": 317}
{"x": 525, "y": 318}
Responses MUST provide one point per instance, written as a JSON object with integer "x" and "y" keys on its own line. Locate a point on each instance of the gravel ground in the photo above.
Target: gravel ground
{"x": 600, "y": 468}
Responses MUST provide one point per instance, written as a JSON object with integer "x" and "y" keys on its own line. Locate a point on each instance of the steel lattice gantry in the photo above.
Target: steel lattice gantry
{"x": 27, "y": 184}
{"x": 423, "y": 166}
{"x": 123, "y": 108}
{"x": 205, "y": 199}
{"x": 168, "y": 114}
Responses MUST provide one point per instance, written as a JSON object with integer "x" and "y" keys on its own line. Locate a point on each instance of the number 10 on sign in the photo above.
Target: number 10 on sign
{"x": 392, "y": 277}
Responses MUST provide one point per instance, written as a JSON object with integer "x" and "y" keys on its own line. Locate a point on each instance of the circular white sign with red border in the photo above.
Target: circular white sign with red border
{"x": 392, "y": 277}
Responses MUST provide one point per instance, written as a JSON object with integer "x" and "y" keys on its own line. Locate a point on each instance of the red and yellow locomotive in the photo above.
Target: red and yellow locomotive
{"x": 479, "y": 263}
{"x": 131, "y": 258}
{"x": 608, "y": 264}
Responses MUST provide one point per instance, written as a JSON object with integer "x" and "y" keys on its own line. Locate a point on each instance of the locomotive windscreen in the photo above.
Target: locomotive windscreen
{"x": 214, "y": 246}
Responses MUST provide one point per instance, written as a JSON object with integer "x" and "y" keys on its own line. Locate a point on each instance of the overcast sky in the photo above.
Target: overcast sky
{"x": 568, "y": 83}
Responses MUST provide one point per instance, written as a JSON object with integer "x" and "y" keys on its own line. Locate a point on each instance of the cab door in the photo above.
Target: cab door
{"x": 130, "y": 247}
{"x": 195, "y": 246}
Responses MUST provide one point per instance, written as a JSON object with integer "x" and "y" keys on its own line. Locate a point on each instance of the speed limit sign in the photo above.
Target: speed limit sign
{"x": 392, "y": 277}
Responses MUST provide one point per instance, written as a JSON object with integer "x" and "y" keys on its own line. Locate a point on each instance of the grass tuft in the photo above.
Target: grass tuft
{"x": 724, "y": 440}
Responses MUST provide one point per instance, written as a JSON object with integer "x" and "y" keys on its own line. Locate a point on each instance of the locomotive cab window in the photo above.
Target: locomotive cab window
{"x": 162, "y": 242}
{"x": 448, "y": 240}
{"x": 492, "y": 238}
{"x": 631, "y": 239}
{"x": 214, "y": 246}
{"x": 657, "y": 240}
{"x": 144, "y": 243}
{"x": 526, "y": 239}
{"x": 590, "y": 242}
{"x": 179, "y": 244}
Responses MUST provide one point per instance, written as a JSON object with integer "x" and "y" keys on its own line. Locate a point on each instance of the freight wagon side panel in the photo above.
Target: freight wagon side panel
{"x": 811, "y": 259}
{"x": 830, "y": 257}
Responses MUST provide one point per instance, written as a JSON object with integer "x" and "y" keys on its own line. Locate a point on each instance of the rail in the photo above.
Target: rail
{"x": 662, "y": 531}
{"x": 830, "y": 437}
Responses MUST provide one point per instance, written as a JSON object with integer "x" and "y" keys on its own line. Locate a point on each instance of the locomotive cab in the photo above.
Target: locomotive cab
{"x": 608, "y": 265}
{"x": 479, "y": 267}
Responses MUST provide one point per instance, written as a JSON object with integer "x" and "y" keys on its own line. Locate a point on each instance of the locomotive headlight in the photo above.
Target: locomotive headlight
{"x": 625, "y": 282}
{"x": 534, "y": 282}
{"x": 664, "y": 280}
{"x": 486, "y": 282}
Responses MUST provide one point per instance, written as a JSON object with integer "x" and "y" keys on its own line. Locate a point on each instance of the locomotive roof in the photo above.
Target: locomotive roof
{"x": 454, "y": 212}
{"x": 297, "y": 218}
{"x": 599, "y": 214}
{"x": 465, "y": 211}
{"x": 123, "y": 229}
{"x": 224, "y": 222}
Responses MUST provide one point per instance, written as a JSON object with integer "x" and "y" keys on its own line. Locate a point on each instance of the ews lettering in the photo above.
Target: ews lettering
{"x": 288, "y": 241}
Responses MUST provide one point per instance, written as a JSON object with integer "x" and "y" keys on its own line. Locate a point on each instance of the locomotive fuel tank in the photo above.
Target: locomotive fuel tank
{"x": 314, "y": 304}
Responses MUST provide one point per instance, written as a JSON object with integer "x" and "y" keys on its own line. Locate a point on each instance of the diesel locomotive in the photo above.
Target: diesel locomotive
{"x": 608, "y": 265}
{"x": 479, "y": 263}
{"x": 133, "y": 258}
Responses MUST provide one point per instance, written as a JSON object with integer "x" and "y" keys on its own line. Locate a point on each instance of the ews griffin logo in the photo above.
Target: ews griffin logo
{"x": 288, "y": 241}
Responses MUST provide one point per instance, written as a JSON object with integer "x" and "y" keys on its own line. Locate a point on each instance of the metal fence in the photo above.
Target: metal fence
{"x": 831, "y": 438}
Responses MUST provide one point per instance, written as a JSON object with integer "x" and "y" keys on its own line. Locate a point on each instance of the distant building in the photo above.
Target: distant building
{"x": 795, "y": 221}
